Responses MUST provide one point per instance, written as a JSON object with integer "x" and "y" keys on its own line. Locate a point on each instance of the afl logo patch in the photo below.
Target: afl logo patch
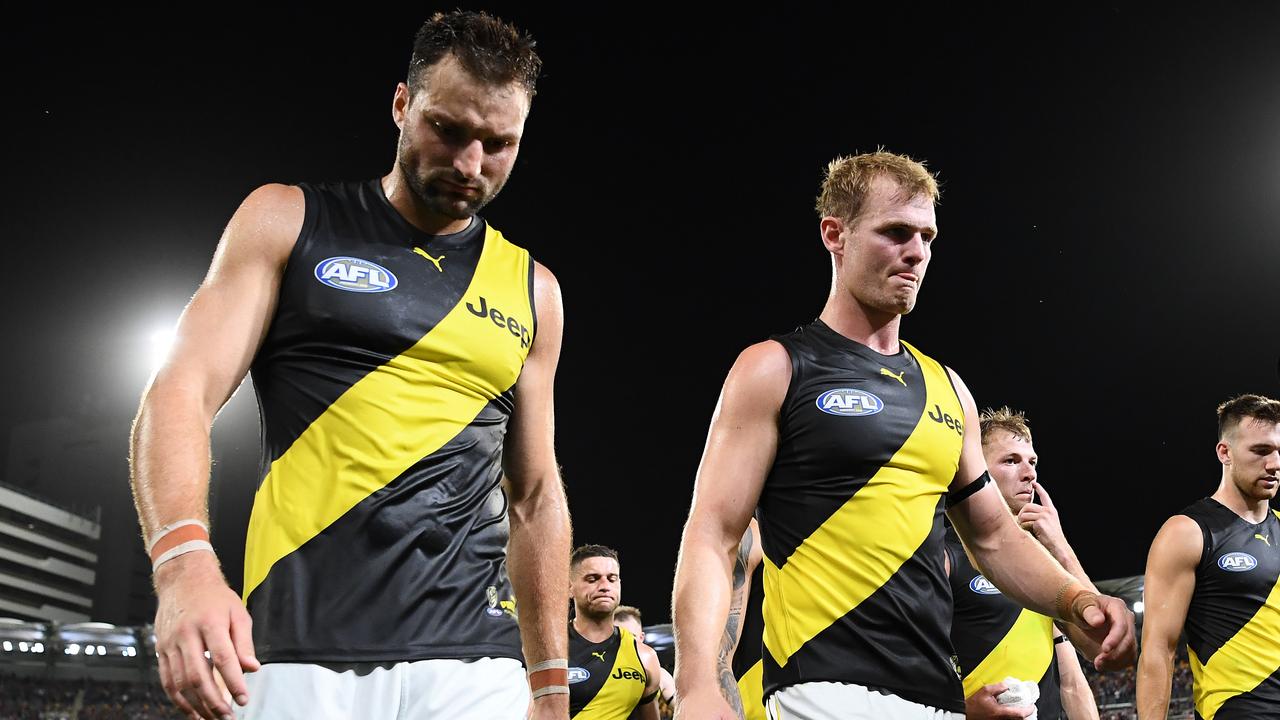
{"x": 1237, "y": 562}
{"x": 355, "y": 275}
{"x": 849, "y": 402}
{"x": 983, "y": 586}
{"x": 577, "y": 675}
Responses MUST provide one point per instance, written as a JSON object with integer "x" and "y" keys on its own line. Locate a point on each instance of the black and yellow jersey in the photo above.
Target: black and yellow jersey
{"x": 384, "y": 384}
{"x": 995, "y": 638}
{"x": 606, "y": 679}
{"x": 851, "y": 521}
{"x": 748, "y": 666}
{"x": 1233, "y": 620}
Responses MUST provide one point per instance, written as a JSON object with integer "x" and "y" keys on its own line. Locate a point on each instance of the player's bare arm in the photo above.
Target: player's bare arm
{"x": 1170, "y": 580}
{"x": 540, "y": 544}
{"x": 739, "y": 451}
{"x": 216, "y": 339}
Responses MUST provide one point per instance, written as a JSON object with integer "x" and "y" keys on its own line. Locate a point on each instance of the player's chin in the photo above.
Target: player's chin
{"x": 905, "y": 303}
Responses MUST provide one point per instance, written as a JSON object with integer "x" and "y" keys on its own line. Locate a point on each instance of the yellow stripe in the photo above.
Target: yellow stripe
{"x": 751, "y": 690}
{"x": 1023, "y": 653}
{"x": 1242, "y": 663}
{"x": 393, "y": 417}
{"x": 617, "y": 698}
{"x": 864, "y": 543}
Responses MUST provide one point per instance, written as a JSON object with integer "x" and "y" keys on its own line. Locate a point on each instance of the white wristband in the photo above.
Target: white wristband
{"x": 183, "y": 549}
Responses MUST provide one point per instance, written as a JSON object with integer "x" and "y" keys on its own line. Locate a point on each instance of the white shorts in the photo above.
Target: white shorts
{"x": 484, "y": 689}
{"x": 844, "y": 701}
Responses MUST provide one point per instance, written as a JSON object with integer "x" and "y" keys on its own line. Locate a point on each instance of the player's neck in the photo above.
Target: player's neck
{"x": 876, "y": 329}
{"x": 412, "y": 210}
{"x": 1249, "y": 509}
{"x": 593, "y": 629}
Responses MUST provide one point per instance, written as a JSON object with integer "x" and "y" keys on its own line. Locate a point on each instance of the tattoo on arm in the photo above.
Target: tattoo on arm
{"x": 733, "y": 626}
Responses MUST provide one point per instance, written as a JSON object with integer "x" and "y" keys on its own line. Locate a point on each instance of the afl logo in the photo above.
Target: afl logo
{"x": 1237, "y": 562}
{"x": 355, "y": 275}
{"x": 849, "y": 402}
{"x": 983, "y": 586}
{"x": 577, "y": 675}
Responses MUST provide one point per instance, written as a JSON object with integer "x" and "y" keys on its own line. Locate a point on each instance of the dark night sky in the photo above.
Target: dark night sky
{"x": 1107, "y": 258}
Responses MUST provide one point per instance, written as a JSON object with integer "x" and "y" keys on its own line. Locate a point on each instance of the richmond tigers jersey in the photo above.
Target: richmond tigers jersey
{"x": 996, "y": 638}
{"x": 851, "y": 521}
{"x": 1233, "y": 620}
{"x": 384, "y": 383}
{"x": 607, "y": 679}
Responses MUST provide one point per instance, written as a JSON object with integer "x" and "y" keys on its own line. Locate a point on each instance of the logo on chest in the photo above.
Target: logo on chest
{"x": 1237, "y": 562}
{"x": 983, "y": 586}
{"x": 577, "y": 675}
{"x": 848, "y": 402}
{"x": 355, "y": 275}
{"x": 627, "y": 674}
{"x": 943, "y": 418}
{"x": 517, "y": 329}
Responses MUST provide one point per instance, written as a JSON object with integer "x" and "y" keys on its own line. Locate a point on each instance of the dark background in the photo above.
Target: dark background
{"x": 1107, "y": 259}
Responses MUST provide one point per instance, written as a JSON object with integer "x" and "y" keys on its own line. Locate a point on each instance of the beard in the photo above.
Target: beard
{"x": 1251, "y": 487}
{"x": 440, "y": 201}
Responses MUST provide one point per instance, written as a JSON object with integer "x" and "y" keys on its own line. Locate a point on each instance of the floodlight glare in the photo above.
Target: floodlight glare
{"x": 161, "y": 343}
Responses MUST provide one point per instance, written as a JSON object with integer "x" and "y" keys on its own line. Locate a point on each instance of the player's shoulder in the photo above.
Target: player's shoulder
{"x": 1180, "y": 540}
{"x": 760, "y": 376}
{"x": 274, "y": 199}
{"x": 266, "y": 224}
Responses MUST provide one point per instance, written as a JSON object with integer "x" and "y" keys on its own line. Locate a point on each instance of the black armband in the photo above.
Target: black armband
{"x": 1060, "y": 639}
{"x": 956, "y": 497}
{"x": 649, "y": 698}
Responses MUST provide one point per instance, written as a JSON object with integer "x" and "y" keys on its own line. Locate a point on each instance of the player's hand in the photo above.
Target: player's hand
{"x": 198, "y": 612}
{"x": 1110, "y": 623}
{"x": 550, "y": 707}
{"x": 707, "y": 704}
{"x": 982, "y": 705}
{"x": 1041, "y": 519}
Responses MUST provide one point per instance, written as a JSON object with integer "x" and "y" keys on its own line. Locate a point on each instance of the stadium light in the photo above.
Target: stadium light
{"x": 8, "y": 646}
{"x": 1138, "y": 605}
{"x": 23, "y": 646}
{"x": 37, "y": 648}
{"x": 102, "y": 650}
{"x": 72, "y": 649}
{"x": 89, "y": 649}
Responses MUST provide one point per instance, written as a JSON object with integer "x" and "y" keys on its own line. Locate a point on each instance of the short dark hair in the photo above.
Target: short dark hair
{"x": 1235, "y": 410}
{"x": 590, "y": 551}
{"x": 489, "y": 49}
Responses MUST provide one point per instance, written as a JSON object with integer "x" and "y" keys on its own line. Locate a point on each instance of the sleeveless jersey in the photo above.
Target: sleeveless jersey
{"x": 748, "y": 666}
{"x": 607, "y": 679}
{"x": 1233, "y": 620}
{"x": 996, "y": 638}
{"x": 384, "y": 384}
{"x": 851, "y": 521}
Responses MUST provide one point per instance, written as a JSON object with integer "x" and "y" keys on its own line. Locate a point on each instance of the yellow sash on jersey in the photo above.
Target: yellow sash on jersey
{"x": 395, "y": 416}
{"x": 624, "y": 687}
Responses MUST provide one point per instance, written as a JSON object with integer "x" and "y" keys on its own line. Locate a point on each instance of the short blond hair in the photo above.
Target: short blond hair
{"x": 622, "y": 612}
{"x": 1013, "y": 422}
{"x": 849, "y": 178}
